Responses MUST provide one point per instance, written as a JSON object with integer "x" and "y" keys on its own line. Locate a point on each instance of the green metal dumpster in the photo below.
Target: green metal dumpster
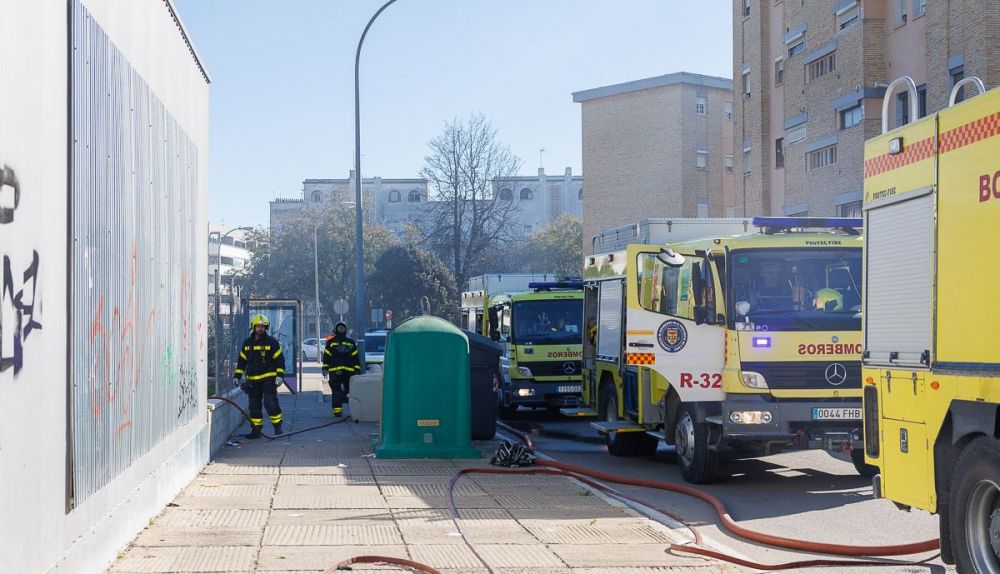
{"x": 425, "y": 397}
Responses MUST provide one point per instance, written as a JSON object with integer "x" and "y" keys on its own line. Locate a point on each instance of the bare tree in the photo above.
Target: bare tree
{"x": 468, "y": 223}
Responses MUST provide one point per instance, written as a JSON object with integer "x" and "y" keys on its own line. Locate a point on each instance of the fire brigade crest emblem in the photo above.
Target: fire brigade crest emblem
{"x": 672, "y": 336}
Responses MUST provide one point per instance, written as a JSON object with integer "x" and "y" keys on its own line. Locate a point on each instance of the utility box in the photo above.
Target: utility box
{"x": 365, "y": 398}
{"x": 426, "y": 405}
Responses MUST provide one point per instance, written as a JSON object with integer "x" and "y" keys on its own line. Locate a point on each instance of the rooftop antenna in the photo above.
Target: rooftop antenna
{"x": 541, "y": 152}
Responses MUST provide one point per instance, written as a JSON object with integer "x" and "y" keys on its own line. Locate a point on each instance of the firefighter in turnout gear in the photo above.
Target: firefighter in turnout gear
{"x": 263, "y": 363}
{"x": 340, "y": 361}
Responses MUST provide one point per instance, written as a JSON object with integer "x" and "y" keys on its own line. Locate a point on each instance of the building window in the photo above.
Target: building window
{"x": 746, "y": 84}
{"x": 796, "y": 48}
{"x": 958, "y": 75}
{"x": 746, "y": 8}
{"x": 395, "y": 197}
{"x": 851, "y": 116}
{"x": 902, "y": 109}
{"x": 729, "y": 111}
{"x": 848, "y": 17}
{"x": 729, "y": 164}
{"x": 526, "y": 193}
{"x": 227, "y": 261}
{"x": 746, "y": 161}
{"x": 822, "y": 157}
{"x": 779, "y": 71}
{"x": 317, "y": 197}
{"x": 796, "y": 134}
{"x": 413, "y": 196}
{"x": 579, "y": 193}
{"x": 919, "y": 7}
{"x": 822, "y": 66}
{"x": 852, "y": 209}
{"x": 701, "y": 105}
{"x": 702, "y": 159}
{"x": 779, "y": 153}
{"x": 901, "y": 16}
{"x": 527, "y": 228}
{"x": 506, "y": 195}
{"x": 922, "y": 101}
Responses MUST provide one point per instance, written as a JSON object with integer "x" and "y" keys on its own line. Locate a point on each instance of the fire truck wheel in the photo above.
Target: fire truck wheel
{"x": 619, "y": 443}
{"x": 864, "y": 470}
{"x": 975, "y": 507}
{"x": 698, "y": 463}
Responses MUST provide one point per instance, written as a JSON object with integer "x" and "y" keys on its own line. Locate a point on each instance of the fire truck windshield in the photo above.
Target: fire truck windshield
{"x": 796, "y": 289}
{"x": 548, "y": 322}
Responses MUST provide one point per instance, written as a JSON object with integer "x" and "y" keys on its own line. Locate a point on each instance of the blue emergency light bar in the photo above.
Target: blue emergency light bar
{"x": 772, "y": 224}
{"x": 549, "y": 285}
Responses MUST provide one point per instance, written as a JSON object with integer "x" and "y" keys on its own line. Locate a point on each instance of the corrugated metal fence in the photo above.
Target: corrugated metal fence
{"x": 134, "y": 335}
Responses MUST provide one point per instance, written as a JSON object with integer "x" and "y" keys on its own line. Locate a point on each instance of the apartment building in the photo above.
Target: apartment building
{"x": 538, "y": 200}
{"x": 657, "y": 147}
{"x": 810, "y": 78}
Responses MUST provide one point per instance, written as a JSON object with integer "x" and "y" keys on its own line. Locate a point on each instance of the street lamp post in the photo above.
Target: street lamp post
{"x": 316, "y": 271}
{"x": 218, "y": 302}
{"x": 359, "y": 260}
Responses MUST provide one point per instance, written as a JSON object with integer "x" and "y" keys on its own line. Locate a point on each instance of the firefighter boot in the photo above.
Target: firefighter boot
{"x": 277, "y": 429}
{"x": 254, "y": 433}
{"x": 338, "y": 411}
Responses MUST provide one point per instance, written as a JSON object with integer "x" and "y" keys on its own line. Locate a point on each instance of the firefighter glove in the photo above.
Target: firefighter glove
{"x": 278, "y": 381}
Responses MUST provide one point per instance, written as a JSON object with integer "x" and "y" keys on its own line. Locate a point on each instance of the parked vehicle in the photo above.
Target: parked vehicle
{"x": 310, "y": 350}
{"x": 374, "y": 345}
{"x": 750, "y": 340}
{"x": 931, "y": 363}
{"x": 541, "y": 332}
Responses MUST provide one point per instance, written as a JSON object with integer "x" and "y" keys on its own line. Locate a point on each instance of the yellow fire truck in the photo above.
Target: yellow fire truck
{"x": 541, "y": 332}
{"x": 931, "y": 365}
{"x": 750, "y": 340}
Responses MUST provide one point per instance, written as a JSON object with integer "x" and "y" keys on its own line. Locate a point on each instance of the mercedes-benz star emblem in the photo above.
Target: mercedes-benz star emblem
{"x": 569, "y": 368}
{"x": 836, "y": 374}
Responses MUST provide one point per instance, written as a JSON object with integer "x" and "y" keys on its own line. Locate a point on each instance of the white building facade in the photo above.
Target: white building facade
{"x": 396, "y": 203}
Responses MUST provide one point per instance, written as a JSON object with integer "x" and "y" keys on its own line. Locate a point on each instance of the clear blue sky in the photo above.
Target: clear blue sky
{"x": 282, "y": 93}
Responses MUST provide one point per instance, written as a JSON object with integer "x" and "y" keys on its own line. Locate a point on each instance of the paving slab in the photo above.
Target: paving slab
{"x": 332, "y": 516}
{"x": 599, "y": 555}
{"x": 158, "y": 535}
{"x": 296, "y": 558}
{"x": 187, "y": 559}
{"x": 218, "y": 518}
{"x": 326, "y": 479}
{"x": 441, "y": 502}
{"x": 385, "y": 534}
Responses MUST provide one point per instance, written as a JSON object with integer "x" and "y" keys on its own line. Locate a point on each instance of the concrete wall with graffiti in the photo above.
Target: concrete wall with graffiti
{"x": 103, "y": 171}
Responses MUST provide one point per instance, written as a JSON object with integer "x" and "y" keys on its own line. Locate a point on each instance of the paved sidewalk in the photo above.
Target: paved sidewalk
{"x": 304, "y": 503}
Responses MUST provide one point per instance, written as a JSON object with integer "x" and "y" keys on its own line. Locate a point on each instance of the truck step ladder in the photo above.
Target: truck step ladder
{"x": 617, "y": 426}
{"x": 579, "y": 412}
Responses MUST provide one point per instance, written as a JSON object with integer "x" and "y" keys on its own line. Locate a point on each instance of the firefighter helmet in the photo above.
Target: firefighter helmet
{"x": 829, "y": 300}
{"x": 260, "y": 320}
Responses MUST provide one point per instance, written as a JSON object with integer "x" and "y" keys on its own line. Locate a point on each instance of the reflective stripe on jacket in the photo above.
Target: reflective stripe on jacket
{"x": 341, "y": 356}
{"x": 260, "y": 359}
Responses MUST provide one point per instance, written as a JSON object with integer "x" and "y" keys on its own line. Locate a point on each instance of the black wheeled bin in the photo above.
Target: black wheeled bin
{"x": 484, "y": 370}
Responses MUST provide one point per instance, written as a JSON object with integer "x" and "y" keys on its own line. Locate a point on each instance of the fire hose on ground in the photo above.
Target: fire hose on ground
{"x": 867, "y": 555}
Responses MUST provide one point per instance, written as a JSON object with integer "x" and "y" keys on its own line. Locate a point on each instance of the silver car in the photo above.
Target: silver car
{"x": 309, "y": 349}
